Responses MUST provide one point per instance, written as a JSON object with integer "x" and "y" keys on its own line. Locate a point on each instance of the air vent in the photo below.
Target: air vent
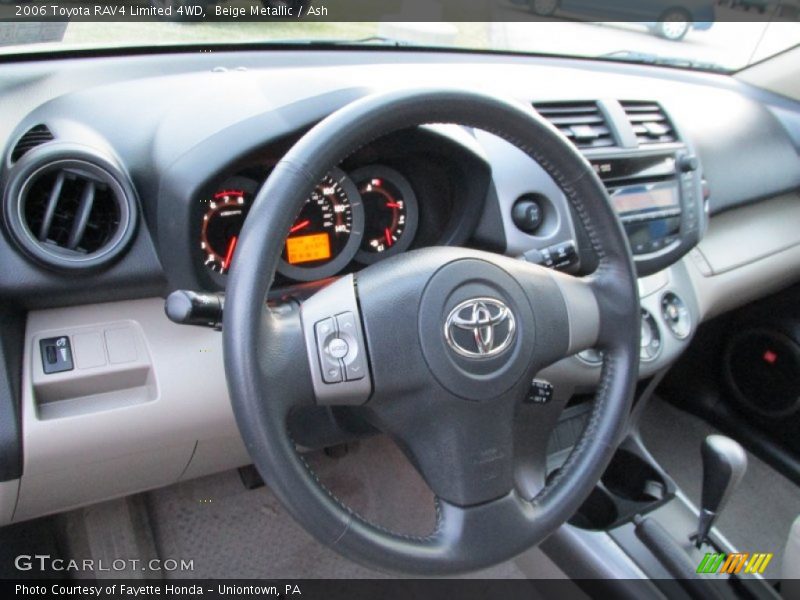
{"x": 649, "y": 122}
{"x": 72, "y": 211}
{"x": 69, "y": 213}
{"x": 582, "y": 122}
{"x": 35, "y": 136}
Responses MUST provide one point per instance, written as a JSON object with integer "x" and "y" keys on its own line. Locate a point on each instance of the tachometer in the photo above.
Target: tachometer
{"x": 391, "y": 212}
{"x": 222, "y": 222}
{"x": 327, "y": 232}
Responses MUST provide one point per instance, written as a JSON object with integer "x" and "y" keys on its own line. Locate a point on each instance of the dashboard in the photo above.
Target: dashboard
{"x": 368, "y": 209}
{"x": 117, "y": 191}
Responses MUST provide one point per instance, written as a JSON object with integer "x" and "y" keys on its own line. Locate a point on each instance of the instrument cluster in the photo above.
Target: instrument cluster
{"x": 364, "y": 216}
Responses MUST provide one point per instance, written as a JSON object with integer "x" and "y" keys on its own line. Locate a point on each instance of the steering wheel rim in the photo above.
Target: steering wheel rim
{"x": 477, "y": 524}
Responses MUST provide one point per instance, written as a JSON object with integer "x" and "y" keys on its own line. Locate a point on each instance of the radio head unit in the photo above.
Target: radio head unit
{"x": 658, "y": 197}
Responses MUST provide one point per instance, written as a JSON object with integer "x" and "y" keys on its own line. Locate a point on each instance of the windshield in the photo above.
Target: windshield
{"x": 715, "y": 44}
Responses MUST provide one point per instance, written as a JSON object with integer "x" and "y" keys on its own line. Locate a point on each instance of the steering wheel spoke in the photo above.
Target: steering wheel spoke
{"x": 335, "y": 347}
{"x": 462, "y": 449}
{"x": 565, "y": 308}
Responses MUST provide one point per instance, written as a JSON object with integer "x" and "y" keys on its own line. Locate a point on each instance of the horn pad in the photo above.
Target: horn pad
{"x": 476, "y": 329}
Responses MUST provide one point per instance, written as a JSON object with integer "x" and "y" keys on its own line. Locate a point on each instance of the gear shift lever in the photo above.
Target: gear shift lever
{"x": 724, "y": 464}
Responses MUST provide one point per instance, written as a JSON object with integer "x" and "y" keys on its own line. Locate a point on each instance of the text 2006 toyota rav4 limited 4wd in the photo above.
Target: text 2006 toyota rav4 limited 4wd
{"x": 288, "y": 302}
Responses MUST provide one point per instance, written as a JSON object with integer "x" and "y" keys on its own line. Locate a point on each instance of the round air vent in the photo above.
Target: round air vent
{"x": 762, "y": 369}
{"x": 69, "y": 208}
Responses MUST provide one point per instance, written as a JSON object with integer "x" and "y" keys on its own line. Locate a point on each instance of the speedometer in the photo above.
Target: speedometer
{"x": 327, "y": 233}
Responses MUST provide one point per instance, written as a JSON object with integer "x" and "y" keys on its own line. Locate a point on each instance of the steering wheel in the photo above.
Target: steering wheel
{"x": 439, "y": 348}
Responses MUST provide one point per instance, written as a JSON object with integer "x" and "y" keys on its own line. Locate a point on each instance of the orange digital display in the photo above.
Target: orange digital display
{"x": 308, "y": 248}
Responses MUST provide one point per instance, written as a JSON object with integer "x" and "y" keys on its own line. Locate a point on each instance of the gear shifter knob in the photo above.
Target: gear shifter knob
{"x": 724, "y": 464}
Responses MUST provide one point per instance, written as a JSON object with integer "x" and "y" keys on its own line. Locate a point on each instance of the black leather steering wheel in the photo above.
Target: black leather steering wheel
{"x": 442, "y": 346}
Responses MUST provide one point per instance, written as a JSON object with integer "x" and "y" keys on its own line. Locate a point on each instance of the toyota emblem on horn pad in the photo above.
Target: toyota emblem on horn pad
{"x": 480, "y": 328}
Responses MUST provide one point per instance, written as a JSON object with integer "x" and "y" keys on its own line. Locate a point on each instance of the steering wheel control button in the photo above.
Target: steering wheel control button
{"x": 325, "y": 328}
{"x": 330, "y": 366}
{"x": 338, "y": 348}
{"x": 676, "y": 315}
{"x": 56, "y": 354}
{"x": 332, "y": 374}
{"x": 347, "y": 324}
{"x": 650, "y": 340}
{"x": 541, "y": 392}
{"x": 355, "y": 366}
{"x": 335, "y": 345}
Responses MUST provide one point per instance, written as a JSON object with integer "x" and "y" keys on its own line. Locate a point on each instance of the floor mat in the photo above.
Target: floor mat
{"x": 760, "y": 511}
{"x": 231, "y": 532}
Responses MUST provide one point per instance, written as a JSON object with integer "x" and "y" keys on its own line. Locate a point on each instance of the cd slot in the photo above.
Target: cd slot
{"x": 617, "y": 170}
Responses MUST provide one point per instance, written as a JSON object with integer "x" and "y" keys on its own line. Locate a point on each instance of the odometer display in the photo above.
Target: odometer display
{"x": 308, "y": 248}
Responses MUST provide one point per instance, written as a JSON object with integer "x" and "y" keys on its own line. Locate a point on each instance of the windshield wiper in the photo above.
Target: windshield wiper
{"x": 669, "y": 61}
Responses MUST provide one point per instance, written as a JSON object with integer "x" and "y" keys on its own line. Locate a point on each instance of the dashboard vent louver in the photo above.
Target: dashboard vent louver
{"x": 71, "y": 211}
{"x": 69, "y": 207}
{"x": 35, "y": 136}
{"x": 649, "y": 122}
{"x": 582, "y": 122}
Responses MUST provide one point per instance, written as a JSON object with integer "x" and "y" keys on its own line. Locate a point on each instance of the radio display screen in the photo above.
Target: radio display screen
{"x": 643, "y": 198}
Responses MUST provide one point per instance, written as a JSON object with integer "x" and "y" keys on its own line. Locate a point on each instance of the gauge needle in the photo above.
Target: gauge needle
{"x": 392, "y": 205}
{"x": 229, "y": 255}
{"x": 299, "y": 226}
{"x": 388, "y": 234}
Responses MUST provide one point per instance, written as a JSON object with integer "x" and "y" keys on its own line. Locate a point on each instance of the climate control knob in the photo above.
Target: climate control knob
{"x": 688, "y": 163}
{"x": 650, "y": 342}
{"x": 676, "y": 315}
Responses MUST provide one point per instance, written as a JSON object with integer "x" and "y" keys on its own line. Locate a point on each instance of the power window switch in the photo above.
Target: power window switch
{"x": 56, "y": 354}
